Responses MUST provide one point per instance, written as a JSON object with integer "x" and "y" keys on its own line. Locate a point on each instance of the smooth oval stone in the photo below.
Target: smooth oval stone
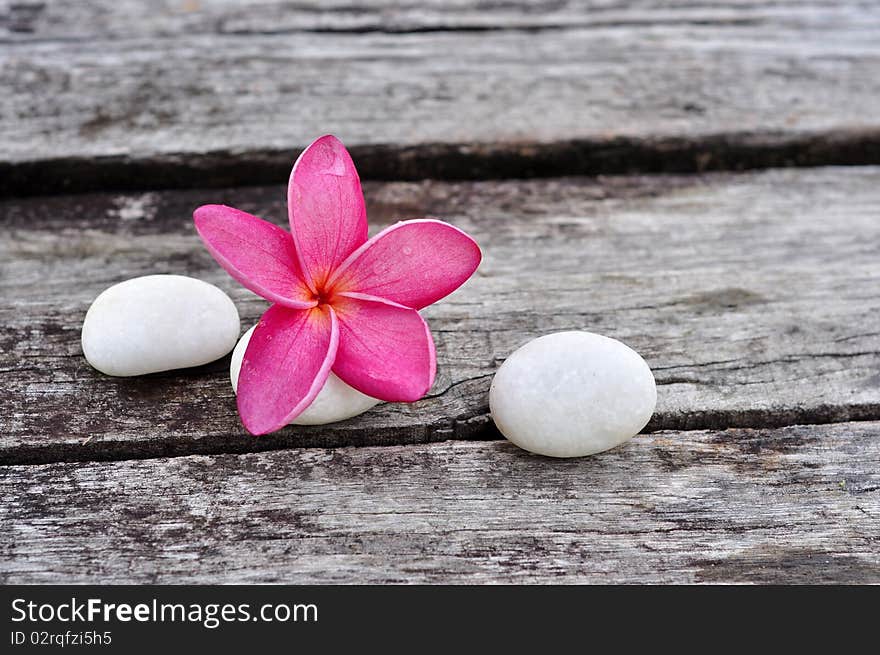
{"x": 158, "y": 323}
{"x": 572, "y": 394}
{"x": 335, "y": 402}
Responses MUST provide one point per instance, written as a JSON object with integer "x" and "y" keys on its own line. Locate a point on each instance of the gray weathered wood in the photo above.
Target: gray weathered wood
{"x": 68, "y": 20}
{"x": 793, "y": 505}
{"x": 182, "y": 101}
{"x": 754, "y": 298}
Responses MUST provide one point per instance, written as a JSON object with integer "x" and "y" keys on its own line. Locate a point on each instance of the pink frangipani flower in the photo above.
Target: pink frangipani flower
{"x": 340, "y": 302}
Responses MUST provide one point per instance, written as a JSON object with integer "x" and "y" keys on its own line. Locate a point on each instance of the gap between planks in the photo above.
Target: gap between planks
{"x": 487, "y": 433}
{"x": 451, "y": 161}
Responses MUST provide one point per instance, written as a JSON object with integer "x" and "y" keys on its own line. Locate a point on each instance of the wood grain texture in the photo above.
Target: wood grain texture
{"x": 753, "y": 297}
{"x": 793, "y": 505}
{"x": 222, "y": 96}
{"x": 77, "y": 20}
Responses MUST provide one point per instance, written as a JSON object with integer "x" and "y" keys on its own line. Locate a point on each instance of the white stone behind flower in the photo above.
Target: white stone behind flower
{"x": 572, "y": 394}
{"x": 336, "y": 401}
{"x": 158, "y": 323}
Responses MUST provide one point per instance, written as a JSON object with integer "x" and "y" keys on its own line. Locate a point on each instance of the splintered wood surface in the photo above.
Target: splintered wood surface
{"x": 753, "y": 297}
{"x": 791, "y": 505}
{"x": 592, "y": 149}
{"x": 132, "y": 94}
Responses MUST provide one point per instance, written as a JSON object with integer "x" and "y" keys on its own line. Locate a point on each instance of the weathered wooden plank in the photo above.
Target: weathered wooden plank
{"x": 191, "y": 106}
{"x": 70, "y": 20}
{"x": 753, "y": 297}
{"x": 792, "y": 505}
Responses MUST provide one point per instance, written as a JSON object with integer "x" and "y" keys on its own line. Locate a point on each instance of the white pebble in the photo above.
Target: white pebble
{"x": 572, "y": 394}
{"x": 335, "y": 402}
{"x": 158, "y": 323}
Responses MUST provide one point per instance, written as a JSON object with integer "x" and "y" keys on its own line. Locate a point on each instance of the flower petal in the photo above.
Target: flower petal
{"x": 413, "y": 263}
{"x": 328, "y": 218}
{"x": 286, "y": 364}
{"x": 260, "y": 255}
{"x": 385, "y": 350}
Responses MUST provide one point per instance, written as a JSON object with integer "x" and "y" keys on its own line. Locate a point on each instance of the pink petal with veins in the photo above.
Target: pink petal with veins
{"x": 413, "y": 263}
{"x": 285, "y": 365}
{"x": 258, "y": 254}
{"x": 385, "y": 350}
{"x": 328, "y": 218}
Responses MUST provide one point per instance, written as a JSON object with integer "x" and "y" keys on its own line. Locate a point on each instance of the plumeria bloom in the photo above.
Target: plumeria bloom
{"x": 341, "y": 303}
